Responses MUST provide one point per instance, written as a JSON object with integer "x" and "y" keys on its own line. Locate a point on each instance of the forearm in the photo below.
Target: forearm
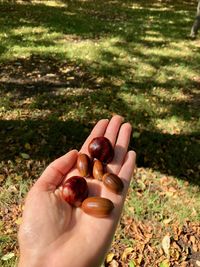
{"x": 31, "y": 260}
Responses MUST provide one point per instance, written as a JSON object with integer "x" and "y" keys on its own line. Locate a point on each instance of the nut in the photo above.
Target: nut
{"x": 83, "y": 165}
{"x": 97, "y": 206}
{"x": 101, "y": 149}
{"x": 98, "y": 170}
{"x": 75, "y": 190}
{"x": 113, "y": 182}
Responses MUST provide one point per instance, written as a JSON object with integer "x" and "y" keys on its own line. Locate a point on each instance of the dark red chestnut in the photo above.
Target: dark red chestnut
{"x": 101, "y": 148}
{"x": 75, "y": 190}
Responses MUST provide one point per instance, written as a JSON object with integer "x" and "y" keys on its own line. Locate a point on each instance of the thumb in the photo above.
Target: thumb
{"x": 54, "y": 173}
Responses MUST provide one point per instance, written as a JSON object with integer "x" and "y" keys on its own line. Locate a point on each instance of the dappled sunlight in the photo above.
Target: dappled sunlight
{"x": 173, "y": 125}
{"x": 53, "y": 3}
{"x": 29, "y": 31}
{"x": 173, "y": 73}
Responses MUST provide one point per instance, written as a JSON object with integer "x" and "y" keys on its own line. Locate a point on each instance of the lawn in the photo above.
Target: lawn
{"x": 66, "y": 64}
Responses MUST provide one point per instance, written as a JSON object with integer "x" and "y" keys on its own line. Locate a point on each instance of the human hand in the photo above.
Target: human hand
{"x": 55, "y": 234}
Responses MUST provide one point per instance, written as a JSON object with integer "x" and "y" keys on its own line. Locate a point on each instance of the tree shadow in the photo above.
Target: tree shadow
{"x": 91, "y": 20}
{"x": 81, "y": 104}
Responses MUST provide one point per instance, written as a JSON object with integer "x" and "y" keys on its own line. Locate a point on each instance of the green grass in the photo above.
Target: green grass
{"x": 66, "y": 64}
{"x": 151, "y": 199}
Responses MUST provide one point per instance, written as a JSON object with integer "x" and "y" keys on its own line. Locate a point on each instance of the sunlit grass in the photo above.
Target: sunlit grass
{"x": 150, "y": 199}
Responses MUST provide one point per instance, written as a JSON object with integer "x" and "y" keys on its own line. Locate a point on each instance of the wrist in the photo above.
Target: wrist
{"x": 31, "y": 260}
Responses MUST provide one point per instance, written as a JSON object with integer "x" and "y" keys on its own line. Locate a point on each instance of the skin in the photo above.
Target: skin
{"x": 55, "y": 234}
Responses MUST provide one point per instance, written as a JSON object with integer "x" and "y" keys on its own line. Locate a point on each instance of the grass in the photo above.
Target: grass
{"x": 66, "y": 64}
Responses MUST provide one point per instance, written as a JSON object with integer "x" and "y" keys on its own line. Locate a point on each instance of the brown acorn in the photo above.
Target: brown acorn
{"x": 97, "y": 206}
{"x": 98, "y": 170}
{"x": 113, "y": 182}
{"x": 83, "y": 164}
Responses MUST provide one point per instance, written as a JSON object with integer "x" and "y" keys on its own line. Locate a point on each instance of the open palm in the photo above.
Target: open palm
{"x": 55, "y": 234}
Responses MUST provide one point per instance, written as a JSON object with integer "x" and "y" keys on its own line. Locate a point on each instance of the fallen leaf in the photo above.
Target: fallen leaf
{"x": 136, "y": 135}
{"x": 165, "y": 263}
{"x": 2, "y": 177}
{"x": 18, "y": 221}
{"x": 18, "y": 178}
{"x": 167, "y": 221}
{"x": 192, "y": 239}
{"x": 70, "y": 78}
{"x": 126, "y": 252}
{"x": 8, "y": 256}
{"x": 114, "y": 263}
{"x": 166, "y": 244}
{"x": 25, "y": 156}
{"x": 109, "y": 257}
{"x": 131, "y": 264}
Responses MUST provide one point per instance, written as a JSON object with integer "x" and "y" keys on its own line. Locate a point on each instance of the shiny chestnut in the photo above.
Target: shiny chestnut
{"x": 101, "y": 149}
{"x": 98, "y": 170}
{"x": 83, "y": 164}
{"x": 97, "y": 206}
{"x": 113, "y": 182}
{"x": 75, "y": 190}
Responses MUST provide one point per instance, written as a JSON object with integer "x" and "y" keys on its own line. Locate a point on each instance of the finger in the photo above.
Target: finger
{"x": 125, "y": 175}
{"x": 98, "y": 130}
{"x": 127, "y": 169}
{"x": 113, "y": 128}
{"x": 121, "y": 148}
{"x": 53, "y": 174}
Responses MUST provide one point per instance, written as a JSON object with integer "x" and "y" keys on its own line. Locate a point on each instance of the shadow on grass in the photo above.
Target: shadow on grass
{"x": 91, "y": 20}
{"x": 59, "y": 115}
{"x": 170, "y": 154}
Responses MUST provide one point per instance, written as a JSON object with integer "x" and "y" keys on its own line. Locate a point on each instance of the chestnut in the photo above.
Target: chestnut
{"x": 98, "y": 170}
{"x": 101, "y": 149}
{"x": 83, "y": 164}
{"x": 113, "y": 182}
{"x": 75, "y": 190}
{"x": 97, "y": 206}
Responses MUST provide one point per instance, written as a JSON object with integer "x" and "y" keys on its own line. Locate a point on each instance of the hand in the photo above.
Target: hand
{"x": 55, "y": 234}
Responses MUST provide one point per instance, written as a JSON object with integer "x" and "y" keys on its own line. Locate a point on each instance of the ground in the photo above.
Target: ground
{"x": 66, "y": 64}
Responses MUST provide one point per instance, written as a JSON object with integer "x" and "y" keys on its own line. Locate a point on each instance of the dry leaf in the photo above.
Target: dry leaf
{"x": 114, "y": 263}
{"x": 2, "y": 177}
{"x": 18, "y": 221}
{"x": 18, "y": 178}
{"x": 167, "y": 221}
{"x": 8, "y": 256}
{"x": 165, "y": 263}
{"x": 166, "y": 244}
{"x": 131, "y": 264}
{"x": 136, "y": 134}
{"x": 70, "y": 78}
{"x": 109, "y": 257}
{"x": 25, "y": 156}
{"x": 126, "y": 252}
